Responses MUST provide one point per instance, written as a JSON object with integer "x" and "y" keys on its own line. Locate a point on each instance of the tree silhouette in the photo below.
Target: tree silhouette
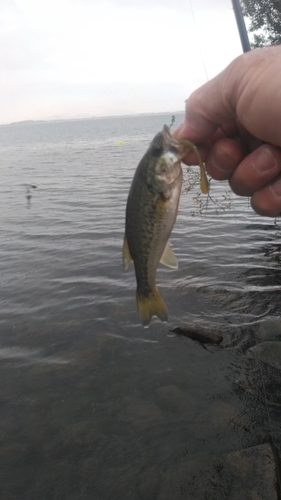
{"x": 264, "y": 21}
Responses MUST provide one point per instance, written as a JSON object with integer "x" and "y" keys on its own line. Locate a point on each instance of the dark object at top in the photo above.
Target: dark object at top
{"x": 241, "y": 26}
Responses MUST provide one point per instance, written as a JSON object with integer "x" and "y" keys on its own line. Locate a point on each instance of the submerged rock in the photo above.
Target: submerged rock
{"x": 269, "y": 353}
{"x": 202, "y": 334}
{"x": 270, "y": 329}
{"x": 248, "y": 474}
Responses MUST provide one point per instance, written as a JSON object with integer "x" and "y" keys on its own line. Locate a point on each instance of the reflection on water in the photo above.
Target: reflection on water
{"x": 28, "y": 356}
{"x": 93, "y": 405}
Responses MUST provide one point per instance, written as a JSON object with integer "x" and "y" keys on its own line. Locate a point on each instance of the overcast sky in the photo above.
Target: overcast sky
{"x": 76, "y": 58}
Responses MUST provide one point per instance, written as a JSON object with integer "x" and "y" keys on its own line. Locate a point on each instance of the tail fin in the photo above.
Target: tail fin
{"x": 152, "y": 305}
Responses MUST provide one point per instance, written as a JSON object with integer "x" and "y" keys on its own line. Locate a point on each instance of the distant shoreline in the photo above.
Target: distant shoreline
{"x": 31, "y": 122}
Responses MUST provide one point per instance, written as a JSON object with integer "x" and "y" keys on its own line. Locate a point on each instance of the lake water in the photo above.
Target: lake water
{"x": 93, "y": 406}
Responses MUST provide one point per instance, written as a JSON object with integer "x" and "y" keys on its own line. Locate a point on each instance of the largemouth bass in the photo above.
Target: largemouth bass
{"x": 151, "y": 212}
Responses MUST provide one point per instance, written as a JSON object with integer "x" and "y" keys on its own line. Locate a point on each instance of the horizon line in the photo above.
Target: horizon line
{"x": 31, "y": 121}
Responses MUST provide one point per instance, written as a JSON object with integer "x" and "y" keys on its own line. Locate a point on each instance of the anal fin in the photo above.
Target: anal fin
{"x": 168, "y": 258}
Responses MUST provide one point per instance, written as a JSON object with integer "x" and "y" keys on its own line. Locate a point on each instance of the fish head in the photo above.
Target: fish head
{"x": 165, "y": 157}
{"x": 164, "y": 143}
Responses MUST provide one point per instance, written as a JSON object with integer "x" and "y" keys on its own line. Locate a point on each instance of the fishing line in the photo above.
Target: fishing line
{"x": 198, "y": 36}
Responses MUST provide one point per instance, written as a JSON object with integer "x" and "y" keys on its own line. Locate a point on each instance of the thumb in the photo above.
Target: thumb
{"x": 205, "y": 110}
{"x": 248, "y": 89}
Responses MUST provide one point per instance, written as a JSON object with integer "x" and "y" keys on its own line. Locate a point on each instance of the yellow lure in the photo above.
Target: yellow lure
{"x": 204, "y": 183}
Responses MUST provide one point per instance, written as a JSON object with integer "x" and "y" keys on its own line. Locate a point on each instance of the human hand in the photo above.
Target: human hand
{"x": 235, "y": 119}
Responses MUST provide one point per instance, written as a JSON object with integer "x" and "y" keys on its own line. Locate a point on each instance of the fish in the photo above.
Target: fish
{"x": 151, "y": 213}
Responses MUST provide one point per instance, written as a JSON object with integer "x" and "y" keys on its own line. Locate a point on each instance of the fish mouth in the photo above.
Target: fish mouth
{"x": 168, "y": 138}
{"x": 172, "y": 145}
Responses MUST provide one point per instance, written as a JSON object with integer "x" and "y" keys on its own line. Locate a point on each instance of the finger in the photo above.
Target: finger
{"x": 207, "y": 108}
{"x": 218, "y": 134}
{"x": 251, "y": 141}
{"x": 224, "y": 157}
{"x": 192, "y": 159}
{"x": 256, "y": 170}
{"x": 267, "y": 201}
{"x": 244, "y": 90}
{"x": 230, "y": 128}
{"x": 192, "y": 132}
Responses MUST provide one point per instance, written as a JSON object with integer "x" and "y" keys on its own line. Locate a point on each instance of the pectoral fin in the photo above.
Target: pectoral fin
{"x": 168, "y": 258}
{"x": 127, "y": 259}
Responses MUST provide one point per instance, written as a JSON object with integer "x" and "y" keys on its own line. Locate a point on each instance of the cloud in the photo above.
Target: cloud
{"x": 138, "y": 5}
{"x": 64, "y": 54}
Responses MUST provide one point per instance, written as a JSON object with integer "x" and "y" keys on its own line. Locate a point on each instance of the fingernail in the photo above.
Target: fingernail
{"x": 264, "y": 161}
{"x": 275, "y": 188}
{"x": 222, "y": 161}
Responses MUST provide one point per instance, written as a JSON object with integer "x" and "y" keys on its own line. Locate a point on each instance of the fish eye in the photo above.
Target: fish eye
{"x": 156, "y": 150}
{"x": 157, "y": 145}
